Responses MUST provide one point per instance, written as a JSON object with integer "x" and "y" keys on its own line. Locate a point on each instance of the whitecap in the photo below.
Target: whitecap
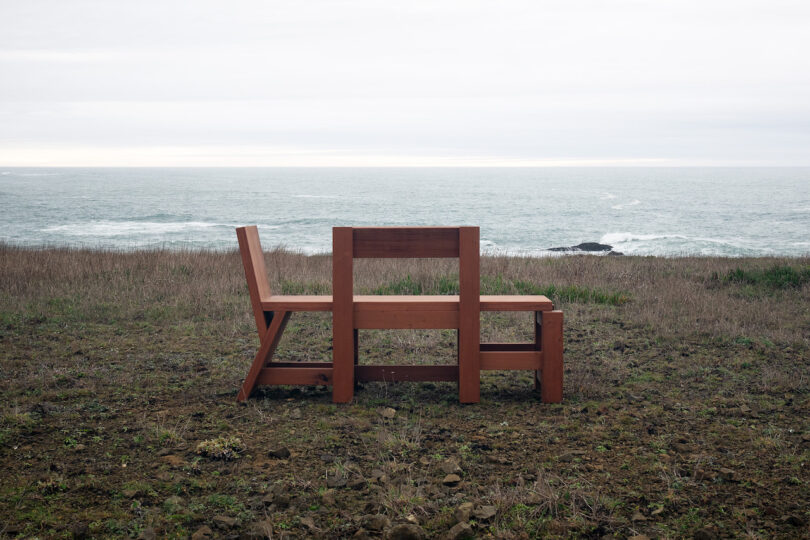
{"x": 608, "y": 196}
{"x": 128, "y": 228}
{"x": 634, "y": 202}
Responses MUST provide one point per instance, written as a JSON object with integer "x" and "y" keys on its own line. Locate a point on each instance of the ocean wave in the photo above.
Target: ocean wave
{"x": 634, "y": 202}
{"x": 608, "y": 196}
{"x": 128, "y": 228}
{"x": 624, "y": 237}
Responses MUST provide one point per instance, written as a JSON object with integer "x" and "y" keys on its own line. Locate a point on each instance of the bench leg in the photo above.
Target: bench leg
{"x": 268, "y": 346}
{"x": 551, "y": 340}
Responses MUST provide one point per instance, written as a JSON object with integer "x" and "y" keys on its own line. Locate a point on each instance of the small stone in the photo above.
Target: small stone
{"x": 406, "y": 531}
{"x": 412, "y": 519}
{"x": 295, "y": 414}
{"x": 224, "y": 522}
{"x": 450, "y": 467}
{"x": 279, "y": 453}
{"x": 130, "y": 493}
{"x": 463, "y": 512}
{"x": 451, "y": 480}
{"x": 388, "y": 413}
{"x": 460, "y": 531}
{"x": 79, "y": 447}
{"x": 727, "y": 474}
{"x": 309, "y": 523}
{"x": 377, "y": 522}
{"x": 267, "y": 500}
{"x": 203, "y": 533}
{"x": 148, "y": 533}
{"x": 638, "y": 516}
{"x": 335, "y": 481}
{"x": 327, "y": 458}
{"x": 485, "y": 512}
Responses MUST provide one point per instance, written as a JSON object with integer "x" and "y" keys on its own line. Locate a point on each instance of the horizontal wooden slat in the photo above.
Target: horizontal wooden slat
{"x": 528, "y": 360}
{"x": 295, "y": 375}
{"x": 507, "y": 346}
{"x": 395, "y": 242}
{"x": 406, "y": 373}
{"x": 298, "y": 303}
{"x": 515, "y": 303}
{"x": 404, "y": 302}
{"x": 405, "y": 319}
{"x": 303, "y": 365}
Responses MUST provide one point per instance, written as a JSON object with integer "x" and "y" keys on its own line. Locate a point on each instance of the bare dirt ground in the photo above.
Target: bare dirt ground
{"x": 686, "y": 409}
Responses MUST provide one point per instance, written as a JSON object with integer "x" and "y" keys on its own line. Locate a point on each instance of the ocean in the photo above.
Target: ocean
{"x": 521, "y": 211}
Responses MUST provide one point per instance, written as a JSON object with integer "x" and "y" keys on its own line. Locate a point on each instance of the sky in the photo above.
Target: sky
{"x": 434, "y": 83}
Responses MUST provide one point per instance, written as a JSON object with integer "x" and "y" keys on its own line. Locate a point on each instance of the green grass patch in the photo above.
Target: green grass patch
{"x": 775, "y": 277}
{"x": 498, "y": 285}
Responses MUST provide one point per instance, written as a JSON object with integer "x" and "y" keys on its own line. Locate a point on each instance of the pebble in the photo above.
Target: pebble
{"x": 388, "y": 413}
{"x": 406, "y": 531}
{"x": 224, "y": 522}
{"x": 376, "y": 522}
{"x": 485, "y": 512}
{"x": 451, "y": 480}
{"x": 460, "y": 531}
{"x": 463, "y": 512}
{"x": 279, "y": 453}
{"x": 203, "y": 533}
{"x": 295, "y": 414}
{"x": 450, "y": 467}
{"x": 335, "y": 481}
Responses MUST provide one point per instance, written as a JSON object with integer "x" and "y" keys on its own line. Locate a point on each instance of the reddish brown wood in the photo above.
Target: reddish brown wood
{"x": 405, "y": 303}
{"x": 538, "y": 344}
{"x": 551, "y": 383}
{"x": 299, "y": 364}
{"x": 378, "y": 320}
{"x": 412, "y": 242}
{"x": 295, "y": 375}
{"x": 526, "y": 360}
{"x": 298, "y": 303}
{"x": 342, "y": 316}
{"x": 469, "y": 335}
{"x": 269, "y": 343}
{"x": 515, "y": 303}
{"x": 406, "y": 373}
{"x": 255, "y": 273}
{"x": 507, "y": 347}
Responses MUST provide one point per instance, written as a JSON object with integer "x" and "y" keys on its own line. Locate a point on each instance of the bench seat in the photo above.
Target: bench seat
{"x": 364, "y": 303}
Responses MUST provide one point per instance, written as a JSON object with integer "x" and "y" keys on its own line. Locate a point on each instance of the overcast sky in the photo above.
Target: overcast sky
{"x": 404, "y": 83}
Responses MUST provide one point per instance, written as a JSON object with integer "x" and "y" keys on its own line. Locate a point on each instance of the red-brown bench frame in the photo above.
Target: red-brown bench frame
{"x": 351, "y": 313}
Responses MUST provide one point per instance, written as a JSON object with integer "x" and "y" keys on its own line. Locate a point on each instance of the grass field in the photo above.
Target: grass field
{"x": 686, "y": 410}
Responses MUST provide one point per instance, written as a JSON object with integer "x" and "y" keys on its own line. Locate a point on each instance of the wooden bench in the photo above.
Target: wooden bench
{"x": 351, "y": 313}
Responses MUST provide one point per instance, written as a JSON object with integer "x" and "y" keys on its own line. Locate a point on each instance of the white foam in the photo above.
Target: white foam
{"x": 128, "y": 228}
{"x": 608, "y": 196}
{"x": 634, "y": 202}
{"x": 623, "y": 237}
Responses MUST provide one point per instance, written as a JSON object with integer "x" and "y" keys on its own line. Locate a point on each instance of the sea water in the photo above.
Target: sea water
{"x": 521, "y": 211}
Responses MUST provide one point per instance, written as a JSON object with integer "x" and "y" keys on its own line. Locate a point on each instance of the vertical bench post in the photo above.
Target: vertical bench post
{"x": 343, "y": 346}
{"x": 469, "y": 330}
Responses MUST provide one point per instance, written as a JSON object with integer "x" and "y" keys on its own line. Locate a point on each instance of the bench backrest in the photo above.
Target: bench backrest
{"x": 255, "y": 273}
{"x": 349, "y": 243}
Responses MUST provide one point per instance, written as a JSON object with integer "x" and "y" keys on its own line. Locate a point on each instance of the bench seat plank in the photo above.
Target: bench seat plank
{"x": 407, "y": 303}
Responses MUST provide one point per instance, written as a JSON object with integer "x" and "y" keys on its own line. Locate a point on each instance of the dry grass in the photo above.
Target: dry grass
{"x": 672, "y": 297}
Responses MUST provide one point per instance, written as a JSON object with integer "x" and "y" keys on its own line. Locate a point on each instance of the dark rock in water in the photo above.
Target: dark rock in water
{"x": 585, "y": 246}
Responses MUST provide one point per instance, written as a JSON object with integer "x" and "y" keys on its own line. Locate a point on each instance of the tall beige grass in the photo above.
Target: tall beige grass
{"x": 673, "y": 297}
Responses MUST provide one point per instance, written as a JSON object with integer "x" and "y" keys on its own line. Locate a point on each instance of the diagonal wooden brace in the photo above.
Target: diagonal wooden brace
{"x": 269, "y": 342}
